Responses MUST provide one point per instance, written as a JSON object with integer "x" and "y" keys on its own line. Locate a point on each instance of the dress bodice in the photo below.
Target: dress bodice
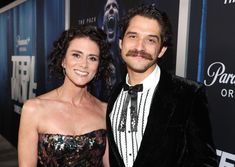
{"x": 84, "y": 150}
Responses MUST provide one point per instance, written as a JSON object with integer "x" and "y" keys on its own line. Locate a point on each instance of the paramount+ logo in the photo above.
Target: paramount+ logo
{"x": 217, "y": 74}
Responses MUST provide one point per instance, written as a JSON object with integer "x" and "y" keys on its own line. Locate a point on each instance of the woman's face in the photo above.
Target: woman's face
{"x": 81, "y": 61}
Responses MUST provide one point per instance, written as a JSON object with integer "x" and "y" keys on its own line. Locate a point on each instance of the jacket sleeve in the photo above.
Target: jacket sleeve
{"x": 200, "y": 149}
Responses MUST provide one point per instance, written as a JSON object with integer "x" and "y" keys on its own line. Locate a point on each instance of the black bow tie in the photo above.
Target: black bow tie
{"x": 132, "y": 94}
{"x": 133, "y": 89}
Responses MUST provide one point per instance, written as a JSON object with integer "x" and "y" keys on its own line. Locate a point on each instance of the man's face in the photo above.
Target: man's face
{"x": 141, "y": 45}
{"x": 111, "y": 17}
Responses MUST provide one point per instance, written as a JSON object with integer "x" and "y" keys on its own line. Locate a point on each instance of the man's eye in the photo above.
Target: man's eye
{"x": 152, "y": 41}
{"x": 132, "y": 36}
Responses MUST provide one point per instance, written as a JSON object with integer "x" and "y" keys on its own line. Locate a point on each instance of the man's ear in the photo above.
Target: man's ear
{"x": 120, "y": 43}
{"x": 163, "y": 50}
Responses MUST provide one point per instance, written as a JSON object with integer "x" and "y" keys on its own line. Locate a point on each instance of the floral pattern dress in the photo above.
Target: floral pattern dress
{"x": 85, "y": 150}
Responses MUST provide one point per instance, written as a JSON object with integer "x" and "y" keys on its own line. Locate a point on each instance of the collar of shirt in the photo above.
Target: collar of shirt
{"x": 148, "y": 81}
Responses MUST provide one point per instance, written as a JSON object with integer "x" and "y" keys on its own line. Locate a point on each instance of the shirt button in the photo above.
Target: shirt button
{"x": 130, "y": 154}
{"x": 129, "y": 131}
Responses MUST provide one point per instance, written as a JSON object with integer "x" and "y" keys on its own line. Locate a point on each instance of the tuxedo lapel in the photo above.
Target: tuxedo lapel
{"x": 158, "y": 119}
{"x": 159, "y": 116}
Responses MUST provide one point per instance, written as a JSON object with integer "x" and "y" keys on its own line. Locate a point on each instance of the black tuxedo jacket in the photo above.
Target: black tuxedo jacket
{"x": 178, "y": 132}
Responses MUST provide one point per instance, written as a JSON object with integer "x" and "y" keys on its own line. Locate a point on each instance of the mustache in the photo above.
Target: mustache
{"x": 142, "y": 53}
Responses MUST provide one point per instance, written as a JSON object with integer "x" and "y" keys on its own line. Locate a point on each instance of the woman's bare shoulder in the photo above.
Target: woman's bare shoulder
{"x": 35, "y": 104}
{"x": 31, "y": 104}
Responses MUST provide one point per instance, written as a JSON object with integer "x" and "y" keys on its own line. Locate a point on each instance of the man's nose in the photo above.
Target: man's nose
{"x": 140, "y": 44}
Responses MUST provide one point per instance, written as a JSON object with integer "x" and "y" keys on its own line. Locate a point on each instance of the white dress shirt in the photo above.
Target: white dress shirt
{"x": 129, "y": 142}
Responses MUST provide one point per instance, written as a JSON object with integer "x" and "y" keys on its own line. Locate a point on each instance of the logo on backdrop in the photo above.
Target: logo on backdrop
{"x": 226, "y": 159}
{"x": 22, "y": 44}
{"x": 89, "y": 20}
{"x": 22, "y": 80}
{"x": 217, "y": 74}
{"x": 229, "y": 1}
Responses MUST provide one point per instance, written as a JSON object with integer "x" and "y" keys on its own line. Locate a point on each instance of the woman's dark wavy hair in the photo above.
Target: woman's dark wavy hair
{"x": 60, "y": 48}
{"x": 149, "y": 11}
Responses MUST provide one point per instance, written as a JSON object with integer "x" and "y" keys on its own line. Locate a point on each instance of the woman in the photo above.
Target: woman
{"x": 66, "y": 126}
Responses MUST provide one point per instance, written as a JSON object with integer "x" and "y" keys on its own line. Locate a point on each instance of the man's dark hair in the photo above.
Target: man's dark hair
{"x": 149, "y": 11}
{"x": 60, "y": 48}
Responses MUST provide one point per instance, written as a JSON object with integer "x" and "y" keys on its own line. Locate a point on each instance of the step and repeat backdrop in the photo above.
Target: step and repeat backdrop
{"x": 106, "y": 14}
{"x": 27, "y": 32}
{"x": 211, "y": 60}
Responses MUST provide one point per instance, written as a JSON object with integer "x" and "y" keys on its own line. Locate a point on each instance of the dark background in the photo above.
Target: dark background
{"x": 218, "y": 46}
{"x": 5, "y": 2}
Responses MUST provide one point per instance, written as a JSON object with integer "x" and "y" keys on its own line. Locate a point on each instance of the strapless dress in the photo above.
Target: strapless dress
{"x": 85, "y": 150}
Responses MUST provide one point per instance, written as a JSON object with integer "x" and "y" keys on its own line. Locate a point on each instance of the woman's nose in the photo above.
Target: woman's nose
{"x": 83, "y": 63}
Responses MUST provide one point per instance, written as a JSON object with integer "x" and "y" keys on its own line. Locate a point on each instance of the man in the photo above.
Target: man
{"x": 163, "y": 120}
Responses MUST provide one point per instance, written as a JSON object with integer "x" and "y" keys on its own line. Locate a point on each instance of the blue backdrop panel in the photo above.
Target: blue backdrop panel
{"x": 27, "y": 31}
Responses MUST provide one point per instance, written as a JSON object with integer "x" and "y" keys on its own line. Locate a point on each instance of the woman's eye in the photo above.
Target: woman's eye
{"x": 93, "y": 58}
{"x": 75, "y": 55}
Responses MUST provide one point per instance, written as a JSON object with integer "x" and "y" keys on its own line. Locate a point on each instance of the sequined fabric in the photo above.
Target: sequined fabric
{"x": 84, "y": 150}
